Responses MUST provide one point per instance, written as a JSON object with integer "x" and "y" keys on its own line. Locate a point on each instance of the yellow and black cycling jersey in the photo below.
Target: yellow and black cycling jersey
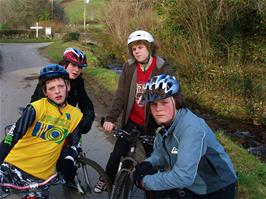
{"x": 35, "y": 142}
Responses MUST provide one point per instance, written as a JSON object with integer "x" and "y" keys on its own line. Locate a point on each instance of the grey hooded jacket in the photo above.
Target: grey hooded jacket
{"x": 196, "y": 160}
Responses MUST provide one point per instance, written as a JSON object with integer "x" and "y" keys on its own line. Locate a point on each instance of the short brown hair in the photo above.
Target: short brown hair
{"x": 152, "y": 47}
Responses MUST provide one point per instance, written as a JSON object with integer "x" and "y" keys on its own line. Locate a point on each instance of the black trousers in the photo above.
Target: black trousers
{"x": 121, "y": 148}
{"x": 228, "y": 192}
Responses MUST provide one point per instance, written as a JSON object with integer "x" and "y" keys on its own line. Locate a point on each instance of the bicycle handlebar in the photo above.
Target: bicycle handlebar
{"x": 146, "y": 139}
{"x": 135, "y": 134}
{"x": 30, "y": 186}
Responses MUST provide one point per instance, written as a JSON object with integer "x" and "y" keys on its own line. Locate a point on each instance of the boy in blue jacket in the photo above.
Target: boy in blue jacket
{"x": 187, "y": 161}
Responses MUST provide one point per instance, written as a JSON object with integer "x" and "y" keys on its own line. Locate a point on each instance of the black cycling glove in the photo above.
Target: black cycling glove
{"x": 141, "y": 170}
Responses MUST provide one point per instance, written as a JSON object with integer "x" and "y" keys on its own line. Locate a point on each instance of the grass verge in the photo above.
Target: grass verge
{"x": 74, "y": 10}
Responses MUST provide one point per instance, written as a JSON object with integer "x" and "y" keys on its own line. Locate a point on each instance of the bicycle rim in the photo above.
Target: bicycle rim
{"x": 88, "y": 174}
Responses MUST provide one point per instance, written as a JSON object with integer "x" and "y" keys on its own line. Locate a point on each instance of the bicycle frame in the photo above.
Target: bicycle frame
{"x": 128, "y": 163}
{"x": 80, "y": 190}
{"x": 123, "y": 184}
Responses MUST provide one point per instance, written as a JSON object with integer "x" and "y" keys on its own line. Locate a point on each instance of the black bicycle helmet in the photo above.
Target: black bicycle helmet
{"x": 160, "y": 87}
{"x": 52, "y": 71}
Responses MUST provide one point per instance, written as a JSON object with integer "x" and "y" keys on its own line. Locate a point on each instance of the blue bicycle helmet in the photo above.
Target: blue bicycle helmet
{"x": 52, "y": 71}
{"x": 160, "y": 87}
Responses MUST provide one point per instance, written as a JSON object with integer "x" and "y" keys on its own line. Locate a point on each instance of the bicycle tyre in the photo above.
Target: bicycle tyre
{"x": 92, "y": 171}
{"x": 123, "y": 186}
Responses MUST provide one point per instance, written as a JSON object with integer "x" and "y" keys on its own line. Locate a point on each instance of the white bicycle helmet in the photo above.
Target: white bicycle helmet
{"x": 140, "y": 35}
{"x": 160, "y": 87}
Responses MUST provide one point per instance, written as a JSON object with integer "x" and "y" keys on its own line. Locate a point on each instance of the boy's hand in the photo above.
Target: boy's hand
{"x": 108, "y": 126}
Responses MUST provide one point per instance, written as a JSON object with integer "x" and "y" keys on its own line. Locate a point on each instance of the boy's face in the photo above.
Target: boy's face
{"x": 73, "y": 70}
{"x": 56, "y": 90}
{"x": 163, "y": 110}
{"x": 140, "y": 52}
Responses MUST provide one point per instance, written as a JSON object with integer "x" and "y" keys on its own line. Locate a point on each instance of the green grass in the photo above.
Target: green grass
{"x": 106, "y": 78}
{"x": 74, "y": 10}
{"x": 56, "y": 49}
{"x": 251, "y": 171}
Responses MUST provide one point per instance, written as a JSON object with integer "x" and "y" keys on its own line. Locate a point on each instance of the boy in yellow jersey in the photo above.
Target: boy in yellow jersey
{"x": 31, "y": 149}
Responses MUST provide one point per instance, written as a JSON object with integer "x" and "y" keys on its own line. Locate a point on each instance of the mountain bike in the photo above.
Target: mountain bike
{"x": 29, "y": 191}
{"x": 88, "y": 173}
{"x": 123, "y": 187}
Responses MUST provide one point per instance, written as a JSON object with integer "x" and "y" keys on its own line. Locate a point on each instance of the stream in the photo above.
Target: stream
{"x": 251, "y": 137}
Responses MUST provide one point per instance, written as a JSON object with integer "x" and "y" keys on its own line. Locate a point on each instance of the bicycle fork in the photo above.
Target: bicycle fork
{"x": 77, "y": 182}
{"x": 128, "y": 163}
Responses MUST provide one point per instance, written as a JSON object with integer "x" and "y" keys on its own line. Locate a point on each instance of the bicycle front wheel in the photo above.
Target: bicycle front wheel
{"x": 122, "y": 186}
{"x": 88, "y": 174}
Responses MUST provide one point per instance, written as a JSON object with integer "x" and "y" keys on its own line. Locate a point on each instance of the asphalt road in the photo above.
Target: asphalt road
{"x": 20, "y": 65}
{"x": 19, "y": 68}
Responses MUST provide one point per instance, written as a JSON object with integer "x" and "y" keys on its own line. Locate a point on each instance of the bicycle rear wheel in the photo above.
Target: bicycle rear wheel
{"x": 88, "y": 173}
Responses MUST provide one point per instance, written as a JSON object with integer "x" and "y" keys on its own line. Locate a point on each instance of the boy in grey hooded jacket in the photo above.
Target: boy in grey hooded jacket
{"x": 187, "y": 155}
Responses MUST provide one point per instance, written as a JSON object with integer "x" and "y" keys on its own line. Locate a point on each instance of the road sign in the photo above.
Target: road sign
{"x": 48, "y": 31}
